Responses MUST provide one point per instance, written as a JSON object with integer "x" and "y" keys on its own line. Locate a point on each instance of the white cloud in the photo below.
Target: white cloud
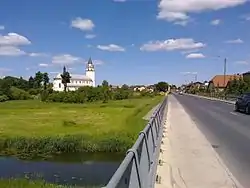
{"x": 237, "y": 41}
{"x": 43, "y": 65}
{"x": 2, "y": 27}
{"x": 119, "y": 1}
{"x": 90, "y": 36}
{"x": 65, "y": 59}
{"x": 182, "y": 23}
{"x": 54, "y": 72}
{"x": 10, "y": 51}
{"x": 111, "y": 48}
{"x": 186, "y": 73}
{"x": 195, "y": 56}
{"x": 178, "y": 10}
{"x": 13, "y": 39}
{"x": 2, "y": 69}
{"x": 215, "y": 22}
{"x": 246, "y": 17}
{"x": 172, "y": 44}
{"x": 83, "y": 24}
{"x": 38, "y": 54}
{"x": 242, "y": 62}
{"x": 98, "y": 62}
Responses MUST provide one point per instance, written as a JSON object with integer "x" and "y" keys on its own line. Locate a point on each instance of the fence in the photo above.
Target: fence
{"x": 138, "y": 169}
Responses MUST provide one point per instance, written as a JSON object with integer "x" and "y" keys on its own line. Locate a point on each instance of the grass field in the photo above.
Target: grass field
{"x": 23, "y": 183}
{"x": 33, "y": 128}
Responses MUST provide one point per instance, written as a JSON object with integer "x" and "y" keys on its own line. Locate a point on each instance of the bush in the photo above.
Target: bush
{"x": 34, "y": 91}
{"x": 18, "y": 94}
{"x": 3, "y": 98}
{"x": 89, "y": 94}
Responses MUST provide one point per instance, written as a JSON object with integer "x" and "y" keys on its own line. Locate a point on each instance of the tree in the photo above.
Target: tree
{"x": 31, "y": 82}
{"x": 173, "y": 86}
{"x": 65, "y": 78}
{"x": 125, "y": 87}
{"x": 105, "y": 83}
{"x": 161, "y": 86}
{"x": 38, "y": 79}
{"x": 45, "y": 80}
{"x": 105, "y": 91}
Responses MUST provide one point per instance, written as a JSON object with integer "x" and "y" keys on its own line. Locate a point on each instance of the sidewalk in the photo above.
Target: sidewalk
{"x": 189, "y": 161}
{"x": 211, "y": 98}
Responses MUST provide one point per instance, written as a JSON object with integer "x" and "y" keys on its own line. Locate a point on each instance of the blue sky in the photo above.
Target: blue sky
{"x": 130, "y": 41}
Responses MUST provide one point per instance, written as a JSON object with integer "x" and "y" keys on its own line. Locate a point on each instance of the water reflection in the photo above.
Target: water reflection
{"x": 70, "y": 169}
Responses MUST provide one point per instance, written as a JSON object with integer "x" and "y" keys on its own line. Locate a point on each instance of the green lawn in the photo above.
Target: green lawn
{"x": 43, "y": 128}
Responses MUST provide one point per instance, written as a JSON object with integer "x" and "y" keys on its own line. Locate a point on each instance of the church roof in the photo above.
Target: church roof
{"x": 76, "y": 77}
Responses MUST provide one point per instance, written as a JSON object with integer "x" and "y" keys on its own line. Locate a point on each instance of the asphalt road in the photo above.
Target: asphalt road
{"x": 227, "y": 131}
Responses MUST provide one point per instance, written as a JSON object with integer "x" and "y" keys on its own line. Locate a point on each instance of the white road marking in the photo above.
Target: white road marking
{"x": 234, "y": 113}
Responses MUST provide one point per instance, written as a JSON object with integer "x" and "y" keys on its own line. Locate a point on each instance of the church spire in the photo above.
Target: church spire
{"x": 90, "y": 65}
{"x": 90, "y": 61}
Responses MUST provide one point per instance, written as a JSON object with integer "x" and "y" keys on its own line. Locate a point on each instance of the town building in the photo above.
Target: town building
{"x": 77, "y": 80}
{"x": 220, "y": 82}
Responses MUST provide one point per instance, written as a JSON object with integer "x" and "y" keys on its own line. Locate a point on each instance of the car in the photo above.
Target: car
{"x": 181, "y": 92}
{"x": 243, "y": 103}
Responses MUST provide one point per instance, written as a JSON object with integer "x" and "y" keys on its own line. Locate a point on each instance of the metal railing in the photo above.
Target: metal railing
{"x": 138, "y": 169}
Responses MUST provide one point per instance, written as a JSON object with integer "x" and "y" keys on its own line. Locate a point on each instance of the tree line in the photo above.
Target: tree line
{"x": 13, "y": 88}
{"x": 39, "y": 87}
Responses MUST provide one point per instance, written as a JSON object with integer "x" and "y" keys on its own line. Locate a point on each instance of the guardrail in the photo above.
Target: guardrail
{"x": 138, "y": 169}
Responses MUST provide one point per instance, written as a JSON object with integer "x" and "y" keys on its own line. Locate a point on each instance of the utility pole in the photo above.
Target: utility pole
{"x": 225, "y": 70}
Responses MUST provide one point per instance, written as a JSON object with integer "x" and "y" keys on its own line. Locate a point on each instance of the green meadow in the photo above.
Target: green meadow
{"x": 30, "y": 129}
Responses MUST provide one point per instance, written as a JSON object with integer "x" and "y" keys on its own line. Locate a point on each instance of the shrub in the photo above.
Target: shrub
{"x": 3, "y": 98}
{"x": 34, "y": 91}
{"x": 18, "y": 94}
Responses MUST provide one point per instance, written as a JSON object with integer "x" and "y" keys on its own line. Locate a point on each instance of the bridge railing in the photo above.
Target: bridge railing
{"x": 138, "y": 169}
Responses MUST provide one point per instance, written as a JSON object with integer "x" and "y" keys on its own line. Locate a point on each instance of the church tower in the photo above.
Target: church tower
{"x": 90, "y": 71}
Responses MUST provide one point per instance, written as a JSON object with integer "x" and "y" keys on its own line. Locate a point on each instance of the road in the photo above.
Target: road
{"x": 227, "y": 131}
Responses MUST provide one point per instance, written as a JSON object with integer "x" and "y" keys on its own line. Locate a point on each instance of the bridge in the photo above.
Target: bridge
{"x": 189, "y": 142}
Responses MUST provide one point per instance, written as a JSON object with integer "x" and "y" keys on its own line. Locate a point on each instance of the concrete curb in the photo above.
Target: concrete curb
{"x": 210, "y": 98}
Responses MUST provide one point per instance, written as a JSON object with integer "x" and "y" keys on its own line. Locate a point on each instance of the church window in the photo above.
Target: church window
{"x": 59, "y": 85}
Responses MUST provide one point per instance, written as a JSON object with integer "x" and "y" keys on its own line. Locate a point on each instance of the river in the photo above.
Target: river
{"x": 68, "y": 169}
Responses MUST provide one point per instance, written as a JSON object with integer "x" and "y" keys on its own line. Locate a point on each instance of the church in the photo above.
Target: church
{"x": 77, "y": 80}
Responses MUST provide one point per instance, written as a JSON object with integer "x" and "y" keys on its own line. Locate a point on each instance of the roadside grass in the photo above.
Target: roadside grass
{"x": 30, "y": 129}
{"x": 24, "y": 183}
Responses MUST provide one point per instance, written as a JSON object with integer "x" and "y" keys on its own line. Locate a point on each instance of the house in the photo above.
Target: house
{"x": 220, "y": 82}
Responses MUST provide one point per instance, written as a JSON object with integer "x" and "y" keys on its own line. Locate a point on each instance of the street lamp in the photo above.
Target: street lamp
{"x": 224, "y": 71}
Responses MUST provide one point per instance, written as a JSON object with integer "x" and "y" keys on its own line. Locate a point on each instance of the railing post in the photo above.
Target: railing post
{"x": 145, "y": 138}
{"x": 136, "y": 160}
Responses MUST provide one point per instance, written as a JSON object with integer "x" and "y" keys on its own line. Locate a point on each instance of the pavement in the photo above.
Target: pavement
{"x": 212, "y": 98}
{"x": 188, "y": 158}
{"x": 226, "y": 130}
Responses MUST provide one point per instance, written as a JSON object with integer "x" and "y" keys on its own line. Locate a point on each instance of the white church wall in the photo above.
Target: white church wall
{"x": 57, "y": 85}
{"x": 91, "y": 75}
